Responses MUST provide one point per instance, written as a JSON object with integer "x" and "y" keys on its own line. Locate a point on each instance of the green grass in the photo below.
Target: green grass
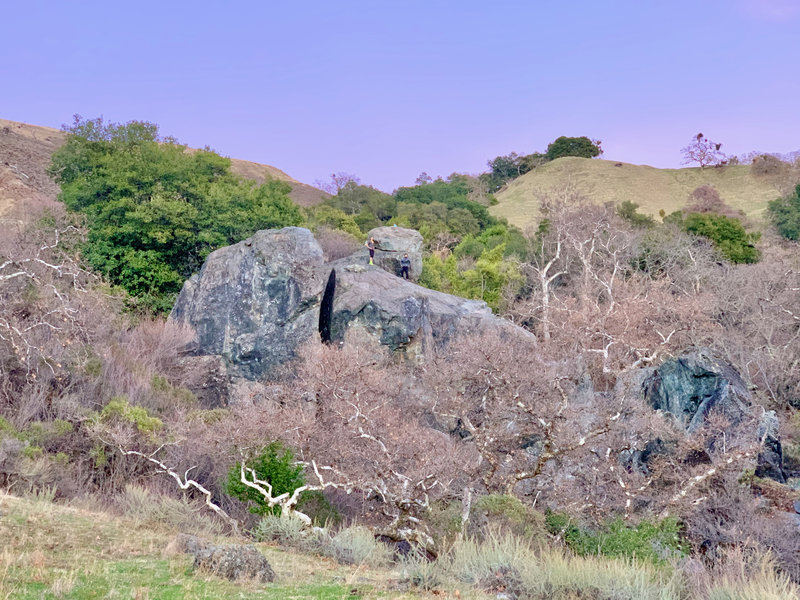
{"x": 652, "y": 189}
{"x": 55, "y": 551}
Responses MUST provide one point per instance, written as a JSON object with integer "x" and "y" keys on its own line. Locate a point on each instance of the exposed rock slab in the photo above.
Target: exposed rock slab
{"x": 254, "y": 302}
{"x": 691, "y": 386}
{"x": 405, "y": 316}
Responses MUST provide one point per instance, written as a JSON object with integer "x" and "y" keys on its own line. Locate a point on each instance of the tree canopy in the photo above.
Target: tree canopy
{"x": 785, "y": 215}
{"x": 154, "y": 209}
{"x": 582, "y": 147}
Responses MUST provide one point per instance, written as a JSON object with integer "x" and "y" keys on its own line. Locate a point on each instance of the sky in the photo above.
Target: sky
{"x": 386, "y": 90}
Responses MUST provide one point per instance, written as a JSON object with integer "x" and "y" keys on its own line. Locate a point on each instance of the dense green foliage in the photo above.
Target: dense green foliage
{"x": 156, "y": 210}
{"x": 785, "y": 215}
{"x": 477, "y": 253}
{"x": 275, "y": 465}
{"x": 727, "y": 234}
{"x": 503, "y": 169}
{"x": 582, "y": 147}
{"x": 657, "y": 542}
{"x": 630, "y": 212}
{"x": 486, "y": 280}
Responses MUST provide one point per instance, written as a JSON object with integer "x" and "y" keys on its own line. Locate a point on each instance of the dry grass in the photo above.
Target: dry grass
{"x": 652, "y": 189}
{"x": 55, "y": 551}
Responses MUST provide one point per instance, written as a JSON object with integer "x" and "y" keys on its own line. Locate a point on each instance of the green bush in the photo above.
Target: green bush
{"x": 727, "y": 234}
{"x": 154, "y": 210}
{"x": 119, "y": 409}
{"x": 630, "y": 212}
{"x": 275, "y": 465}
{"x": 655, "y": 542}
{"x": 785, "y": 215}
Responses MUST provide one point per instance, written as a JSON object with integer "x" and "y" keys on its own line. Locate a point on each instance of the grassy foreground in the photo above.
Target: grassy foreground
{"x": 54, "y": 551}
{"x": 75, "y": 551}
{"x": 652, "y": 189}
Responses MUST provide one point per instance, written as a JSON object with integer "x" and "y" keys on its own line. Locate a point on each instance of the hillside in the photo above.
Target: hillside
{"x": 652, "y": 189}
{"x": 25, "y": 152}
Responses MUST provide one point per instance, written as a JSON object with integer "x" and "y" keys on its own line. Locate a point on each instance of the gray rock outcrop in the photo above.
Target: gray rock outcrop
{"x": 390, "y": 245}
{"x": 234, "y": 562}
{"x": 255, "y": 303}
{"x": 691, "y": 385}
{"x": 694, "y": 384}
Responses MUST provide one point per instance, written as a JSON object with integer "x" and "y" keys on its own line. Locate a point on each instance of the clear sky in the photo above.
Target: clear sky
{"x": 386, "y": 90}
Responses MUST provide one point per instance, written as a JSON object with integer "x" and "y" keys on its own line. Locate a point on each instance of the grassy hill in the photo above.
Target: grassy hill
{"x": 652, "y": 189}
{"x": 25, "y": 152}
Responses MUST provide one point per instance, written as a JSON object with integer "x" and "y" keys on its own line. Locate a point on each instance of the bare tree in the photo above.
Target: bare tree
{"x": 703, "y": 151}
{"x": 355, "y": 421}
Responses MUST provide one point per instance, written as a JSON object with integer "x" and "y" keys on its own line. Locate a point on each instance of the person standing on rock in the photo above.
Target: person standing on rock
{"x": 405, "y": 263}
{"x": 370, "y": 244}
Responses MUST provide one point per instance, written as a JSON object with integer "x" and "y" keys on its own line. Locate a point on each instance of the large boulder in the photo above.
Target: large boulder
{"x": 390, "y": 245}
{"x": 255, "y": 303}
{"x": 371, "y": 304}
{"x": 692, "y": 386}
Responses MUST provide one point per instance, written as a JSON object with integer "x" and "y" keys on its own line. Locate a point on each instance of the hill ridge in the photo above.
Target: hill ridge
{"x": 653, "y": 189}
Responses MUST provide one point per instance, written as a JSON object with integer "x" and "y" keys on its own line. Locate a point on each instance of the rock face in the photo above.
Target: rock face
{"x": 254, "y": 303}
{"x": 404, "y": 316}
{"x": 693, "y": 384}
{"x": 690, "y": 386}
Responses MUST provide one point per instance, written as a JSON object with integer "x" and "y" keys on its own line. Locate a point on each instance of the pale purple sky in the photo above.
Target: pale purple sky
{"x": 386, "y": 90}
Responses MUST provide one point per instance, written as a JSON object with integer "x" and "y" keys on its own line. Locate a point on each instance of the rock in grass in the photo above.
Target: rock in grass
{"x": 235, "y": 562}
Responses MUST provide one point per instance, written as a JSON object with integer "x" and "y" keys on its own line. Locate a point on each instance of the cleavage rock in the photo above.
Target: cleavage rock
{"x": 255, "y": 303}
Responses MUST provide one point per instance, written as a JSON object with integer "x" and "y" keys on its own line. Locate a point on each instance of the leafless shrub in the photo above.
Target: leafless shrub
{"x": 706, "y": 199}
{"x": 336, "y": 244}
{"x": 768, "y": 165}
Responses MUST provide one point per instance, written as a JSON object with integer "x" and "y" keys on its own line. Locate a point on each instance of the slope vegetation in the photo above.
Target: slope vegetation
{"x": 25, "y": 152}
{"x": 652, "y": 189}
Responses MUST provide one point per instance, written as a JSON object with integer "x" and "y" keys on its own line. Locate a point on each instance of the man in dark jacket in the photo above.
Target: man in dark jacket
{"x": 405, "y": 263}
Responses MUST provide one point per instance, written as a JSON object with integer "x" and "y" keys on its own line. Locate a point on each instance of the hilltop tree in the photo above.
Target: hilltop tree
{"x": 574, "y": 146}
{"x": 703, "y": 151}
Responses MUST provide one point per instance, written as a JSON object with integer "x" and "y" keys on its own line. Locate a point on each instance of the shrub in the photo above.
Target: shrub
{"x": 357, "y": 545}
{"x": 727, "y": 234}
{"x": 423, "y": 573}
{"x": 629, "y": 211}
{"x": 785, "y": 215}
{"x": 506, "y": 514}
{"x": 655, "y": 542}
{"x": 275, "y": 465}
{"x": 118, "y": 409}
{"x": 767, "y": 164}
{"x": 155, "y": 211}
{"x": 151, "y": 510}
{"x": 277, "y": 528}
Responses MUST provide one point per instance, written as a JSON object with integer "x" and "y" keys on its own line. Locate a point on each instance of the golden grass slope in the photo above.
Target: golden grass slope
{"x": 652, "y": 189}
